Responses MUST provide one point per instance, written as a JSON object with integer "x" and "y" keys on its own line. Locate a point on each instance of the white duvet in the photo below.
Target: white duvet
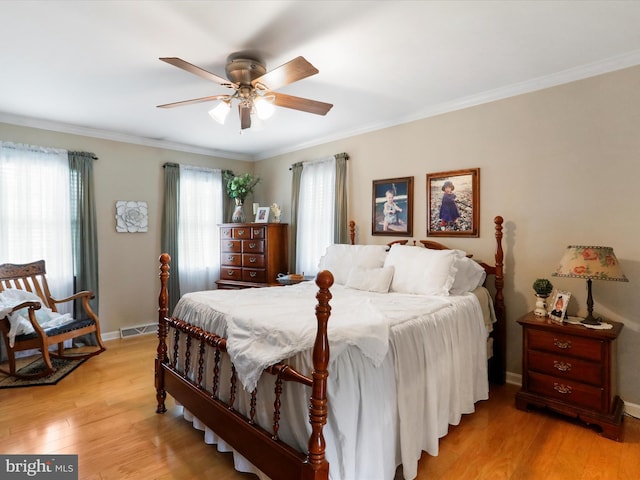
{"x": 403, "y": 367}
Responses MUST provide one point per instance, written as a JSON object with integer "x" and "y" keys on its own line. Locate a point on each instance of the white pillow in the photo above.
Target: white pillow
{"x": 370, "y": 279}
{"x": 470, "y": 275}
{"x": 421, "y": 270}
{"x": 339, "y": 259}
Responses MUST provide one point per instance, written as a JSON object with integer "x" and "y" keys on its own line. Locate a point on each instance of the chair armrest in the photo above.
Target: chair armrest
{"x": 33, "y": 305}
{"x": 85, "y": 293}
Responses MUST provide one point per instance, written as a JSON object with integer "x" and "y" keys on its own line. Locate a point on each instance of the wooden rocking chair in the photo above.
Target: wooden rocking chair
{"x": 31, "y": 277}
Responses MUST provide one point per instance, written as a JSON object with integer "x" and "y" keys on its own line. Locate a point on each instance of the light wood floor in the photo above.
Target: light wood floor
{"x": 105, "y": 412}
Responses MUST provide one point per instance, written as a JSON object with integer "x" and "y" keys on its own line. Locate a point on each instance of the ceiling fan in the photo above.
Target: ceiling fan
{"x": 253, "y": 86}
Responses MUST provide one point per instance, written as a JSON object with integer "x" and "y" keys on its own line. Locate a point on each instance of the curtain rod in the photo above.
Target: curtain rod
{"x": 92, "y": 155}
{"x": 336, "y": 156}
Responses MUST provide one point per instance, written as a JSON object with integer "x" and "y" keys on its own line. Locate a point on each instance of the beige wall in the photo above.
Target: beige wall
{"x": 560, "y": 165}
{"x": 128, "y": 262}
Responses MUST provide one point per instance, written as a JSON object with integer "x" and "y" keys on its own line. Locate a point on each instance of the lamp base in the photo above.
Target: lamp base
{"x": 591, "y": 320}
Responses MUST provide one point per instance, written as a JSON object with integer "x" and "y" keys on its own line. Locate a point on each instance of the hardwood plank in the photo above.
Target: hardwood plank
{"x": 105, "y": 412}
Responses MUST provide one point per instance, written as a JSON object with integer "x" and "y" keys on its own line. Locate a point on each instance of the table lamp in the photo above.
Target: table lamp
{"x": 598, "y": 263}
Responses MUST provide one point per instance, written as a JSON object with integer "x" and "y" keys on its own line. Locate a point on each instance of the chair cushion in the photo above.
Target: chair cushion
{"x": 67, "y": 327}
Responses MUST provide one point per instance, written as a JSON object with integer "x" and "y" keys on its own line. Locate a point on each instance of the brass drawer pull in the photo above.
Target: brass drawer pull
{"x": 241, "y": 233}
{"x": 230, "y": 258}
{"x": 560, "y": 344}
{"x": 252, "y": 274}
{"x": 252, "y": 245}
{"x": 230, "y": 245}
{"x": 230, "y": 272}
{"x": 562, "y": 366}
{"x": 561, "y": 388}
{"x": 253, "y": 259}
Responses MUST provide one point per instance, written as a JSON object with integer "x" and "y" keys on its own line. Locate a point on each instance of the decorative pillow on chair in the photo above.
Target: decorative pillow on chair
{"x": 421, "y": 270}
{"x": 370, "y": 279}
{"x": 339, "y": 259}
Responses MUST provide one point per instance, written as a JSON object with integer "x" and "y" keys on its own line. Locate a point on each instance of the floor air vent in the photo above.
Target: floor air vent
{"x": 138, "y": 330}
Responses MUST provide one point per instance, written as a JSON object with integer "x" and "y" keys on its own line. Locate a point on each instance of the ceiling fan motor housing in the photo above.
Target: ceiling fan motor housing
{"x": 243, "y": 71}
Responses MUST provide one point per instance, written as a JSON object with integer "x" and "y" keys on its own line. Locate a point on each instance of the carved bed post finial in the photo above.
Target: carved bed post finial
{"x": 352, "y": 232}
{"x": 163, "y": 312}
{"x": 318, "y": 406}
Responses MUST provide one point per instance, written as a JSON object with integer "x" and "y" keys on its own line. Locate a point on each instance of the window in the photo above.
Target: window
{"x": 316, "y": 213}
{"x": 35, "y": 211}
{"x": 200, "y": 212}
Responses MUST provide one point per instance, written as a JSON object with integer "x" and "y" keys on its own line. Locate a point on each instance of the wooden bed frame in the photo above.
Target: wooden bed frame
{"x": 261, "y": 447}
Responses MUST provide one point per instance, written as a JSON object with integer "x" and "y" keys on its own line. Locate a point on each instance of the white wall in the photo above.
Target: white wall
{"x": 560, "y": 165}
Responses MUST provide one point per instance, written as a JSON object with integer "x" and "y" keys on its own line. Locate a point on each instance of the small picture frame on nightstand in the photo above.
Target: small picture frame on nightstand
{"x": 558, "y": 308}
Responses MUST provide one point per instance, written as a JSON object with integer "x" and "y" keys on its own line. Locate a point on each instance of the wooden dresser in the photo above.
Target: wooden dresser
{"x": 570, "y": 369}
{"x": 252, "y": 254}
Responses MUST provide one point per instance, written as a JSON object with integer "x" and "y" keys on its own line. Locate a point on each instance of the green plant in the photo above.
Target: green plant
{"x": 542, "y": 287}
{"x": 240, "y": 186}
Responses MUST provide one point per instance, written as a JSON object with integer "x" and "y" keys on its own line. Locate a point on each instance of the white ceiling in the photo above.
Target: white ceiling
{"x": 91, "y": 67}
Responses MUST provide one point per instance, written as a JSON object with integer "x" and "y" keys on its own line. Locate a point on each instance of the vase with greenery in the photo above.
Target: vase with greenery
{"x": 543, "y": 289}
{"x": 238, "y": 188}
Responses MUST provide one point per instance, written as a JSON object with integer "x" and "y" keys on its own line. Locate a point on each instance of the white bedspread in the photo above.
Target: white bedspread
{"x": 403, "y": 367}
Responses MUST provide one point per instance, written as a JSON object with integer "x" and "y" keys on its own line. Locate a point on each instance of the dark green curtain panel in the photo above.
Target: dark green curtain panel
{"x": 169, "y": 234}
{"x": 296, "y": 170}
{"x": 84, "y": 231}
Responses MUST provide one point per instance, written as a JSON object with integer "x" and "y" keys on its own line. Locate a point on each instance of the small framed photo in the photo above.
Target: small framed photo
{"x": 558, "y": 307}
{"x": 262, "y": 215}
{"x": 453, "y": 203}
{"x": 392, "y": 207}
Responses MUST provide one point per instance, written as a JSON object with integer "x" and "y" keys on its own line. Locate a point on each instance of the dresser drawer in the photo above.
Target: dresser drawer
{"x": 257, "y": 232}
{"x": 242, "y": 232}
{"x": 254, "y": 275}
{"x": 571, "y": 345}
{"x": 253, "y": 260}
{"x": 230, "y": 245}
{"x": 566, "y": 367}
{"x": 252, "y": 246}
{"x": 230, "y": 273}
{"x": 226, "y": 232}
{"x": 574, "y": 393}
{"x": 230, "y": 259}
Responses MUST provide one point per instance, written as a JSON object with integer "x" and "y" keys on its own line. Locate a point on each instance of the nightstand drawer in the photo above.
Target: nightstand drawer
{"x": 242, "y": 232}
{"x": 252, "y": 260}
{"x": 571, "y": 345}
{"x": 257, "y": 232}
{"x": 566, "y": 367}
{"x": 574, "y": 393}
{"x": 230, "y": 259}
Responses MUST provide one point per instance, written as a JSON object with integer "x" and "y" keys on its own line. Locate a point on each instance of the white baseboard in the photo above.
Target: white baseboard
{"x": 632, "y": 409}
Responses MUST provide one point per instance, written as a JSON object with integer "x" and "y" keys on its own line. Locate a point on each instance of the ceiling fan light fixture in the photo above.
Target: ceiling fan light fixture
{"x": 219, "y": 112}
{"x": 264, "y": 107}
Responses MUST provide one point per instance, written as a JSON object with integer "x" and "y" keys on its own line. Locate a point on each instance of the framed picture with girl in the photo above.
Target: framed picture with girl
{"x": 453, "y": 203}
{"x": 558, "y": 308}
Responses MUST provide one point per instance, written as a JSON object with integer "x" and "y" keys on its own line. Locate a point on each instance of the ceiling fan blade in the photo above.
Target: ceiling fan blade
{"x": 290, "y": 72}
{"x": 245, "y": 117}
{"x": 178, "y": 62}
{"x": 299, "y": 103}
{"x": 195, "y": 100}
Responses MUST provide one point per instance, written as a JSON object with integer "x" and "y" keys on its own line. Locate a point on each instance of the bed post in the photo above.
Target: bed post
{"x": 498, "y": 364}
{"x": 163, "y": 311}
{"x": 319, "y": 467}
{"x": 352, "y": 232}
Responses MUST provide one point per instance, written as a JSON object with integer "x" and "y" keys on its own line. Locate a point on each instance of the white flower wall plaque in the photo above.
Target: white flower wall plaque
{"x": 131, "y": 216}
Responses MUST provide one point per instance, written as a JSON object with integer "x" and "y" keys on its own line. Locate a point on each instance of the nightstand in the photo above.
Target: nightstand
{"x": 570, "y": 369}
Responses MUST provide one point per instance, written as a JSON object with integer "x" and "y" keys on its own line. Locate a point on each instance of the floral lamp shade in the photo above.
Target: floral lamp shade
{"x": 599, "y": 263}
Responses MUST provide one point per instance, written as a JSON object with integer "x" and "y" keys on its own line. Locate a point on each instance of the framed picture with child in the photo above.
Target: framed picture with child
{"x": 453, "y": 203}
{"x": 392, "y": 207}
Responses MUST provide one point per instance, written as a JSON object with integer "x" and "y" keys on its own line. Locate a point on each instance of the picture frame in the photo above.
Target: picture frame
{"x": 262, "y": 215}
{"x": 392, "y": 207}
{"x": 558, "y": 308}
{"x": 452, "y": 214}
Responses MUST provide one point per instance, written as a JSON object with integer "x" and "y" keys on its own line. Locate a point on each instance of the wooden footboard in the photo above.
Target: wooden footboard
{"x": 261, "y": 447}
